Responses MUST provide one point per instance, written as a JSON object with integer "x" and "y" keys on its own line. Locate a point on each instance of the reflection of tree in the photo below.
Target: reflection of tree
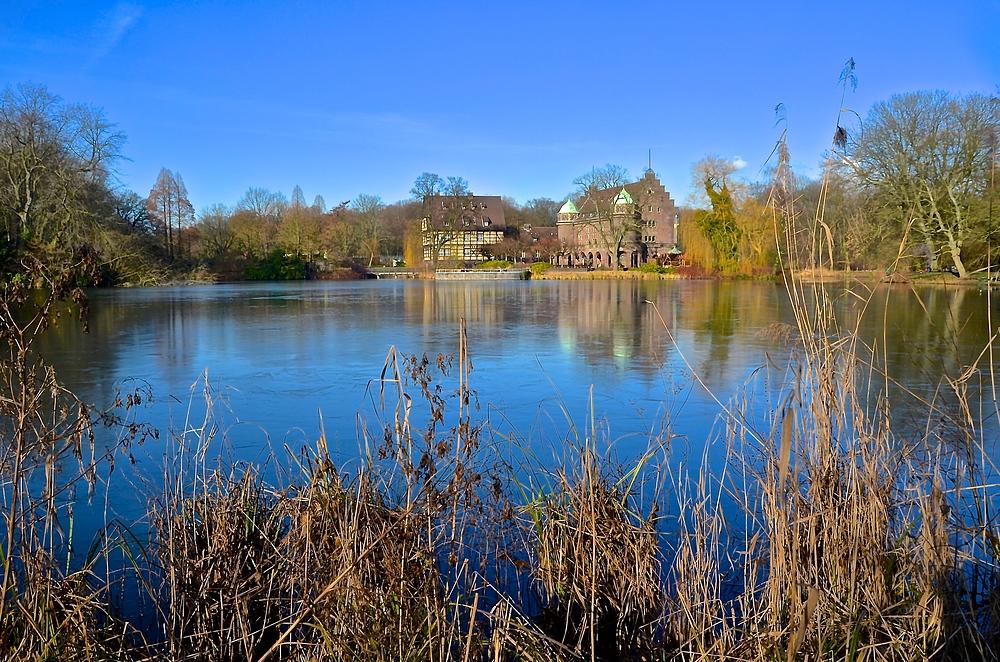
{"x": 485, "y": 306}
{"x": 157, "y": 331}
{"x": 172, "y": 334}
{"x": 719, "y": 314}
{"x": 924, "y": 339}
{"x": 609, "y": 322}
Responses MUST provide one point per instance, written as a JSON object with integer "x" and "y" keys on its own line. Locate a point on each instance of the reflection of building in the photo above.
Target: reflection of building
{"x": 639, "y": 220}
{"x": 459, "y": 227}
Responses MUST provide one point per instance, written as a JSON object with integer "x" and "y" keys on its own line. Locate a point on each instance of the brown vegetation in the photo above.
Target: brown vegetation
{"x": 824, "y": 534}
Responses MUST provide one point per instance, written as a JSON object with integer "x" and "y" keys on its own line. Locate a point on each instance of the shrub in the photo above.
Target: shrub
{"x": 654, "y": 268}
{"x": 493, "y": 264}
{"x": 540, "y": 267}
{"x": 276, "y": 266}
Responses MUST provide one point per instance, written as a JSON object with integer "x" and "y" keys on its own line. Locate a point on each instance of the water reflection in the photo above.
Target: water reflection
{"x": 289, "y": 350}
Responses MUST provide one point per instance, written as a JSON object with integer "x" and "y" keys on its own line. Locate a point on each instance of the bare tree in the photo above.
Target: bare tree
{"x": 263, "y": 203}
{"x": 340, "y": 234}
{"x": 598, "y": 179}
{"x": 52, "y": 158}
{"x": 216, "y": 238}
{"x": 456, "y": 187}
{"x": 319, "y": 204}
{"x": 541, "y": 212}
{"x": 371, "y": 220}
{"x": 438, "y": 226}
{"x": 258, "y": 213}
{"x": 720, "y": 172}
{"x": 426, "y": 185}
{"x": 441, "y": 226}
{"x": 130, "y": 210}
{"x": 169, "y": 209}
{"x": 299, "y": 228}
{"x": 928, "y": 156}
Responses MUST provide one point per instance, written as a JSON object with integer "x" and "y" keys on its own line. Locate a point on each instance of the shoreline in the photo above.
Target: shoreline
{"x": 939, "y": 279}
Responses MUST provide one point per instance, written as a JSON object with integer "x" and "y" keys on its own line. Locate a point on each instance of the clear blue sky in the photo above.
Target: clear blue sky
{"x": 519, "y": 98}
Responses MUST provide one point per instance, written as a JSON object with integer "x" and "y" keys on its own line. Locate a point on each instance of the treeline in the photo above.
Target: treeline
{"x": 911, "y": 187}
{"x": 264, "y": 223}
{"x": 364, "y": 230}
{"x": 60, "y": 201}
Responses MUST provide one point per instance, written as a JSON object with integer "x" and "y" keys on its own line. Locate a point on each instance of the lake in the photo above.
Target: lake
{"x": 281, "y": 353}
{"x": 648, "y": 362}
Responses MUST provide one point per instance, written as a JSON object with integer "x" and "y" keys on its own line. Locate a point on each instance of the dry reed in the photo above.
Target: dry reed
{"x": 826, "y": 533}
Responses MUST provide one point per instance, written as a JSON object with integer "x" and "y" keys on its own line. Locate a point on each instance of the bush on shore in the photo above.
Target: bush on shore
{"x": 494, "y": 264}
{"x": 276, "y": 266}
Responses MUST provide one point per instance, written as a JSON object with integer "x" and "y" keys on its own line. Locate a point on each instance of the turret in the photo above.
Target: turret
{"x": 623, "y": 202}
{"x": 568, "y": 212}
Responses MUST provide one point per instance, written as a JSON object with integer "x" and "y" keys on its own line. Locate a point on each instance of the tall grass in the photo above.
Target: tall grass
{"x": 368, "y": 561}
{"x": 824, "y": 531}
{"x": 54, "y": 601}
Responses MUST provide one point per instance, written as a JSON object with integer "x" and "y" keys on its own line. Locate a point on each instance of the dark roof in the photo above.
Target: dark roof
{"x": 479, "y": 212}
{"x": 544, "y": 232}
{"x": 636, "y": 189}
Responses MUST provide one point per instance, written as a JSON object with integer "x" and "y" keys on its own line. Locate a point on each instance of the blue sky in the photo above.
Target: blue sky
{"x": 519, "y": 98}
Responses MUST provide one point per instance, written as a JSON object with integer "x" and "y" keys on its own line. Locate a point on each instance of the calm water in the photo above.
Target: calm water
{"x": 281, "y": 353}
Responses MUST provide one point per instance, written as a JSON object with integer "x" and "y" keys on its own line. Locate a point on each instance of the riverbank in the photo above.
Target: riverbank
{"x": 556, "y": 273}
{"x": 916, "y": 278}
{"x": 811, "y": 276}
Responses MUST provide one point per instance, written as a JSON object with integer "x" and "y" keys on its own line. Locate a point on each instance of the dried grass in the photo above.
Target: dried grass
{"x": 825, "y": 533}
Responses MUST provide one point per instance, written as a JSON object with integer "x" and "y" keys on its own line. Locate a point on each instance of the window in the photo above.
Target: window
{"x": 650, "y": 207}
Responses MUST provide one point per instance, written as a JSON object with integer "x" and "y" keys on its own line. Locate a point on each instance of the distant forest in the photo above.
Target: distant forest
{"x": 910, "y": 186}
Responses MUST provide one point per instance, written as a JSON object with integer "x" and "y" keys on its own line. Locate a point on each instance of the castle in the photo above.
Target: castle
{"x": 637, "y": 223}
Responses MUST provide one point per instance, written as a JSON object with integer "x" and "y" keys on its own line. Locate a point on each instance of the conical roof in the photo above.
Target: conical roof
{"x": 569, "y": 208}
{"x": 623, "y": 198}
